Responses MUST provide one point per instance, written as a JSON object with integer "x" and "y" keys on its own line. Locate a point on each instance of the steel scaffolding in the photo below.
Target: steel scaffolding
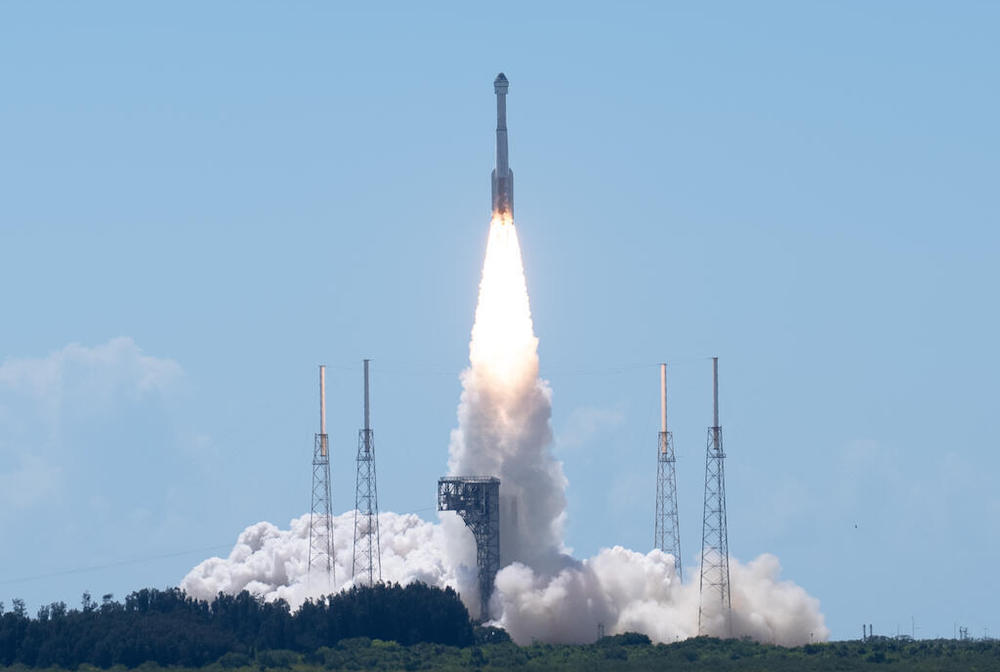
{"x": 321, "y": 551}
{"x": 367, "y": 565}
{"x": 477, "y": 501}
{"x": 666, "y": 534}
{"x": 714, "y": 585}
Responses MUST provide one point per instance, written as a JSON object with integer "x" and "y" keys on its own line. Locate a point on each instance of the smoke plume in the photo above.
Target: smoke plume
{"x": 273, "y": 563}
{"x": 541, "y": 592}
{"x": 503, "y": 416}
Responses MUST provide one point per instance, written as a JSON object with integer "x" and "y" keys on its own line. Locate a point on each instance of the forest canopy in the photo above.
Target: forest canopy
{"x": 168, "y": 627}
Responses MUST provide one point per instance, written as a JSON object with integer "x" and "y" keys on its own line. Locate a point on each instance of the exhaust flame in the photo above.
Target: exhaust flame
{"x": 503, "y": 348}
{"x": 503, "y": 418}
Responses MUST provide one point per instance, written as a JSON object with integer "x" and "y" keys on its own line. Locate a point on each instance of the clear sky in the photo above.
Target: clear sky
{"x": 210, "y": 199}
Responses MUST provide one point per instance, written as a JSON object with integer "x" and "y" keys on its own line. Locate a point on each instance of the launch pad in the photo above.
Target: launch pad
{"x": 477, "y": 500}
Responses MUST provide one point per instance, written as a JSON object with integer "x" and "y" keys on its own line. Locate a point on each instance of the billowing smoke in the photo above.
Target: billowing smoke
{"x": 620, "y": 590}
{"x": 273, "y": 563}
{"x": 541, "y": 593}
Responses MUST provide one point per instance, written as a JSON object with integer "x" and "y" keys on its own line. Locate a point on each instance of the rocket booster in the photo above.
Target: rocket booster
{"x": 503, "y": 176}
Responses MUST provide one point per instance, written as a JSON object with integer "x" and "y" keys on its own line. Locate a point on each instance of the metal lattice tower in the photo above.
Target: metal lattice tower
{"x": 714, "y": 585}
{"x": 477, "y": 501}
{"x": 667, "y": 534}
{"x": 321, "y": 552}
{"x": 367, "y": 544}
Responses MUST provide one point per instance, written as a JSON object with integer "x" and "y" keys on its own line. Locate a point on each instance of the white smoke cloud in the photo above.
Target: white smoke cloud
{"x": 541, "y": 593}
{"x": 273, "y": 563}
{"x": 618, "y": 589}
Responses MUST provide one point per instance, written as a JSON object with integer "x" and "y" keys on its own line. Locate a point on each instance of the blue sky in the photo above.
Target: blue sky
{"x": 202, "y": 202}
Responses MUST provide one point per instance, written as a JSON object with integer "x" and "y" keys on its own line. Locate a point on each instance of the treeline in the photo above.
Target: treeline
{"x": 167, "y": 627}
{"x": 630, "y": 652}
{"x": 389, "y": 627}
{"x": 491, "y": 652}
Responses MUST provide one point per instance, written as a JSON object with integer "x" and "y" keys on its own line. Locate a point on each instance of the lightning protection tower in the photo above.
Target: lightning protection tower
{"x": 667, "y": 535}
{"x": 321, "y": 553}
{"x": 367, "y": 564}
{"x": 714, "y": 585}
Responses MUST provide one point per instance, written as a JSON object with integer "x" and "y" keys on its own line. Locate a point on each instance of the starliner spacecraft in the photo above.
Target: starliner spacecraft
{"x": 503, "y": 176}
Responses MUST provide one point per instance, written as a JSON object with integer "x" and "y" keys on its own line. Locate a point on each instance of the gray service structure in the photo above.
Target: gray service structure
{"x": 477, "y": 500}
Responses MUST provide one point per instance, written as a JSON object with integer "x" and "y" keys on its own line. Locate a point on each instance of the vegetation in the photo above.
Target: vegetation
{"x": 169, "y": 628}
{"x": 389, "y": 627}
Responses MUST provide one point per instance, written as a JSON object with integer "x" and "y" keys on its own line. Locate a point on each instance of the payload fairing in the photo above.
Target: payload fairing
{"x": 503, "y": 176}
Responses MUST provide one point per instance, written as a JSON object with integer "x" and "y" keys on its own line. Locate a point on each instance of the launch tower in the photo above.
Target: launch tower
{"x": 667, "y": 535}
{"x": 321, "y": 553}
{"x": 714, "y": 584}
{"x": 477, "y": 501}
{"x": 367, "y": 563}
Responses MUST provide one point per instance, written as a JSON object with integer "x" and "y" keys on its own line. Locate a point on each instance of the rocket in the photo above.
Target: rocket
{"x": 503, "y": 176}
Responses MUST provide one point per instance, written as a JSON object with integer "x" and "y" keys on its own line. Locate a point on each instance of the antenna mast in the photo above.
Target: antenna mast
{"x": 321, "y": 551}
{"x": 666, "y": 535}
{"x": 367, "y": 554}
{"x": 715, "y": 602}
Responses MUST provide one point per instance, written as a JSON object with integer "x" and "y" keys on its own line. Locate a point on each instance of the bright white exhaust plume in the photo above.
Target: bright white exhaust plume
{"x": 541, "y": 593}
{"x": 503, "y": 417}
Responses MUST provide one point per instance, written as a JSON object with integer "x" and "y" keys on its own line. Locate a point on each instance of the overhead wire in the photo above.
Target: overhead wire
{"x": 139, "y": 560}
{"x": 117, "y": 563}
